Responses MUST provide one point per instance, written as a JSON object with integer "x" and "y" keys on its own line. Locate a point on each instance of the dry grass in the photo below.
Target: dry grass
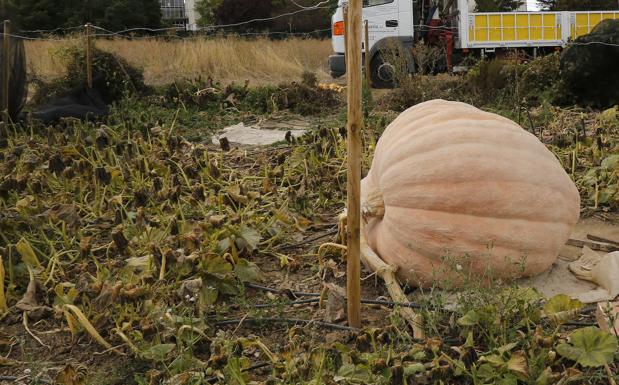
{"x": 225, "y": 59}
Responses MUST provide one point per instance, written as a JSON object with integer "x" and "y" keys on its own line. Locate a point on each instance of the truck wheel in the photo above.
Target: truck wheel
{"x": 382, "y": 72}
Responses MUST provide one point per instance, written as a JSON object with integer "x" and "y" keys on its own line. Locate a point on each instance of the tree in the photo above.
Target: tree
{"x": 113, "y": 15}
{"x": 38, "y": 14}
{"x": 8, "y": 10}
{"x": 206, "y": 9}
{"x": 123, "y": 14}
{"x": 235, "y": 11}
{"x": 498, "y": 5}
{"x": 578, "y": 5}
{"x": 238, "y": 11}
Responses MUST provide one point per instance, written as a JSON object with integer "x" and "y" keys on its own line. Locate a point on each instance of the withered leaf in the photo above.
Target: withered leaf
{"x": 67, "y": 213}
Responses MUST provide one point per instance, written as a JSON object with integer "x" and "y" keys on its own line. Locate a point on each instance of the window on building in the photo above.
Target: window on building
{"x": 173, "y": 9}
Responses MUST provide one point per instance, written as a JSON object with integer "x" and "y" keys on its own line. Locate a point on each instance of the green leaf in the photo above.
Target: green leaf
{"x": 508, "y": 379}
{"x": 3, "y": 305}
{"x": 234, "y": 372}
{"x": 610, "y": 163}
{"x": 185, "y": 362}
{"x": 414, "y": 368}
{"x": 208, "y": 295}
{"x": 250, "y": 237}
{"x": 158, "y": 352}
{"x": 589, "y": 346}
{"x": 353, "y": 374}
{"x": 507, "y": 348}
{"x": 469, "y": 319}
{"x": 609, "y": 116}
{"x": 138, "y": 268}
{"x": 486, "y": 372}
{"x": 470, "y": 341}
{"x": 227, "y": 285}
{"x": 248, "y": 271}
{"x": 494, "y": 359}
{"x": 517, "y": 364}
{"x": 223, "y": 245}
{"x": 562, "y": 308}
{"x": 218, "y": 267}
{"x": 27, "y": 253}
{"x": 24, "y": 203}
{"x": 545, "y": 377}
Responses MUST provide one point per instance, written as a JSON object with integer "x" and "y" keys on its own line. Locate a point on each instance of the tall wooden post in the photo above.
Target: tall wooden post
{"x": 355, "y": 125}
{"x": 89, "y": 55}
{"x": 6, "y": 71}
{"x": 368, "y": 74}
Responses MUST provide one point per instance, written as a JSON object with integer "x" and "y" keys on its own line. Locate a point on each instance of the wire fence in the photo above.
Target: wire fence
{"x": 201, "y": 31}
{"x": 90, "y": 32}
{"x": 180, "y": 33}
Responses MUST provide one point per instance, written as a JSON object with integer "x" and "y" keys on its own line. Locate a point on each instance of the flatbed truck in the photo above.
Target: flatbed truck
{"x": 456, "y": 27}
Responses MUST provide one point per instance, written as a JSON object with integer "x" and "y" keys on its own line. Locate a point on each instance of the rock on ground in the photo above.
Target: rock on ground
{"x": 241, "y": 134}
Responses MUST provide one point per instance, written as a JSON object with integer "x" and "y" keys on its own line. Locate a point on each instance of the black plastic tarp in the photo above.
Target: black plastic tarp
{"x": 18, "y": 90}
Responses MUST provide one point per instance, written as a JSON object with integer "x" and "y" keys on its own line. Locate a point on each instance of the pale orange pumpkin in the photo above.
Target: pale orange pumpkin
{"x": 454, "y": 191}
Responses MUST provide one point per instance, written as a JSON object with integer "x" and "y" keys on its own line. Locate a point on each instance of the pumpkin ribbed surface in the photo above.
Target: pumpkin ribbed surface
{"x": 467, "y": 190}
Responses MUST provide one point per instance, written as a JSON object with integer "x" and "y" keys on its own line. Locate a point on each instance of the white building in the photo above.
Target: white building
{"x": 192, "y": 15}
{"x": 181, "y": 13}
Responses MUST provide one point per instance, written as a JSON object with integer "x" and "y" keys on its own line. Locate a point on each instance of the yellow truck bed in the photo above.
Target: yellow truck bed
{"x": 528, "y": 29}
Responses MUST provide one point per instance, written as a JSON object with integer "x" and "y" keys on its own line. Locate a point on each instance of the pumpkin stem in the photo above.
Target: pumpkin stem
{"x": 373, "y": 205}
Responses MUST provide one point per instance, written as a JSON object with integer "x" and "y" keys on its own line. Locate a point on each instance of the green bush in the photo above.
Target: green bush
{"x": 305, "y": 97}
{"x": 513, "y": 82}
{"x": 420, "y": 88}
{"x": 119, "y": 76}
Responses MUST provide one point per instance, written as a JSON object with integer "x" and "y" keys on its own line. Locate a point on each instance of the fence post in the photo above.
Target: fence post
{"x": 368, "y": 76}
{"x": 355, "y": 124}
{"x": 89, "y": 55}
{"x": 6, "y": 71}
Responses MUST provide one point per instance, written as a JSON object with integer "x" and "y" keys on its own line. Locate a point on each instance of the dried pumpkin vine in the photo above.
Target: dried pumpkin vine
{"x": 142, "y": 240}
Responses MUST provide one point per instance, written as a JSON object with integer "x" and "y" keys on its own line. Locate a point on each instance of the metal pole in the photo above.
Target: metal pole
{"x": 6, "y": 71}
{"x": 89, "y": 55}
{"x": 368, "y": 77}
{"x": 355, "y": 125}
{"x": 346, "y": 53}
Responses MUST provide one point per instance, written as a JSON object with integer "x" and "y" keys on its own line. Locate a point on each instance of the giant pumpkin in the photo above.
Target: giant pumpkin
{"x": 457, "y": 192}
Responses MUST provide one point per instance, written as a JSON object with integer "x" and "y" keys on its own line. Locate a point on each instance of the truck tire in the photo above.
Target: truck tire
{"x": 382, "y": 72}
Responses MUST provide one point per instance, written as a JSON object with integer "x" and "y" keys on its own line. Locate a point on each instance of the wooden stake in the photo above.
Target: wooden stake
{"x": 6, "y": 71}
{"x": 368, "y": 76}
{"x": 89, "y": 55}
{"x": 355, "y": 125}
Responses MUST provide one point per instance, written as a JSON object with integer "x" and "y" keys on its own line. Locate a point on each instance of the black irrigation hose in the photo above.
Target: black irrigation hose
{"x": 390, "y": 303}
{"x": 287, "y": 321}
{"x": 364, "y": 301}
{"x": 293, "y": 294}
{"x": 260, "y": 365}
{"x": 580, "y": 323}
{"x": 33, "y": 380}
{"x": 299, "y": 302}
{"x": 309, "y": 240}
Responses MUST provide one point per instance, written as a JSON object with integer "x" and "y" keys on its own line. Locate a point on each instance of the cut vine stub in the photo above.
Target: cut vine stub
{"x": 373, "y": 206}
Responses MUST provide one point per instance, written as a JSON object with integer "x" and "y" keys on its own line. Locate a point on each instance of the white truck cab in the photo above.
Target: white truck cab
{"x": 387, "y": 20}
